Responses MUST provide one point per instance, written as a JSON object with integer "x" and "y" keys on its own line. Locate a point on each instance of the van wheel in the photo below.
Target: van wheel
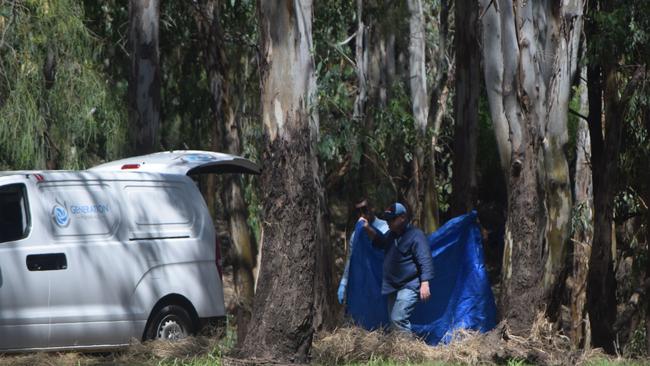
{"x": 171, "y": 323}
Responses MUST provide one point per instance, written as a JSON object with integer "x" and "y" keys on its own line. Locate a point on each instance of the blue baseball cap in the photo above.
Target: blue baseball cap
{"x": 394, "y": 210}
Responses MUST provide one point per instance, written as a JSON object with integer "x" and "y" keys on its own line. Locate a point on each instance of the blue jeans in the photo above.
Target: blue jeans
{"x": 400, "y": 307}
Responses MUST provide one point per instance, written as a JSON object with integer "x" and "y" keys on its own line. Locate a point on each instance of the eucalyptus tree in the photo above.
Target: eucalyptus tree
{"x": 57, "y": 109}
{"x": 617, "y": 68}
{"x": 465, "y": 106}
{"x": 582, "y": 226}
{"x": 422, "y": 166}
{"x": 226, "y": 137}
{"x": 529, "y": 53}
{"x": 295, "y": 289}
{"x": 376, "y": 55}
{"x": 440, "y": 69}
{"x": 144, "y": 78}
{"x": 395, "y": 95}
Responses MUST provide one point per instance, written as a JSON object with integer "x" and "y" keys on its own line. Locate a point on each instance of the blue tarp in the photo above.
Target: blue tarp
{"x": 461, "y": 296}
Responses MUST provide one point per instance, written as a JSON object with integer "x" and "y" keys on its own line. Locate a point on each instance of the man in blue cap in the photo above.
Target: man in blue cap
{"x": 408, "y": 265}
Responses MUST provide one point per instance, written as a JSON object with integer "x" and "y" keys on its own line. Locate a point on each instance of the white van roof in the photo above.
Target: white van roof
{"x": 183, "y": 162}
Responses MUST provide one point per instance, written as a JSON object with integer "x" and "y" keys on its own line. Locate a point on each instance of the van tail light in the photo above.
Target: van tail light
{"x": 218, "y": 260}
{"x": 130, "y": 166}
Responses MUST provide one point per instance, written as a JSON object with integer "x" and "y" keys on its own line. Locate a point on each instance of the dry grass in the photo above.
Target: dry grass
{"x": 543, "y": 346}
{"x": 205, "y": 347}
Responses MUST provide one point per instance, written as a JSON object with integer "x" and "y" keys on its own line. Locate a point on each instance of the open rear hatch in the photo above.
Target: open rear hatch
{"x": 183, "y": 162}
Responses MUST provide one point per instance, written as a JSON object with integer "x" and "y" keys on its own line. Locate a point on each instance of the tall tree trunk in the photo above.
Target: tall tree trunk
{"x": 583, "y": 213}
{"x": 51, "y": 151}
{"x": 378, "y": 59}
{"x": 605, "y": 90}
{"x": 359, "y": 116}
{"x": 438, "y": 109}
{"x": 528, "y": 50}
{"x": 601, "y": 285}
{"x": 144, "y": 79}
{"x": 466, "y": 107}
{"x": 646, "y": 308}
{"x": 420, "y": 106}
{"x": 295, "y": 288}
{"x": 361, "y": 60}
{"x": 646, "y": 118}
{"x": 226, "y": 133}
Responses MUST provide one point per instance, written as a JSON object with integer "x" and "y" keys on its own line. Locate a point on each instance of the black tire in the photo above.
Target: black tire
{"x": 172, "y": 322}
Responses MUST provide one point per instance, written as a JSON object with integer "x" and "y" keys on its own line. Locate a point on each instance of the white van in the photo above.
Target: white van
{"x": 90, "y": 259}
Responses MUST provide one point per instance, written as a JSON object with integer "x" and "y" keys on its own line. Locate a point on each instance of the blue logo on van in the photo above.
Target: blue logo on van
{"x": 100, "y": 208}
{"x": 60, "y": 215}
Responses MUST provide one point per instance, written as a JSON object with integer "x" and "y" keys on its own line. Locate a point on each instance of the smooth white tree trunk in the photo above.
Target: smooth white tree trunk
{"x": 421, "y": 172}
{"x": 529, "y": 54}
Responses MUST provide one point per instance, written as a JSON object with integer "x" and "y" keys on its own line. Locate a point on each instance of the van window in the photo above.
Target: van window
{"x": 14, "y": 213}
{"x": 159, "y": 211}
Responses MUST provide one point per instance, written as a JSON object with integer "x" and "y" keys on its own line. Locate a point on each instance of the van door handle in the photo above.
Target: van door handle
{"x": 47, "y": 262}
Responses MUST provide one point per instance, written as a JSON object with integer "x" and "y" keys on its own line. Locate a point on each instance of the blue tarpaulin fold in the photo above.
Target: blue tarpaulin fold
{"x": 461, "y": 296}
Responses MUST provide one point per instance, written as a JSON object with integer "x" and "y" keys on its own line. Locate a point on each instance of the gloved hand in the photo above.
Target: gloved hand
{"x": 341, "y": 292}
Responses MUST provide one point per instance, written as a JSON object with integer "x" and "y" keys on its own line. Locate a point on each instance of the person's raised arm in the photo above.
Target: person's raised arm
{"x": 378, "y": 239}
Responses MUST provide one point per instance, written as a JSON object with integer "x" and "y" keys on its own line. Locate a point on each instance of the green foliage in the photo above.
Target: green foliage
{"x": 394, "y": 138}
{"x": 184, "y": 79}
{"x": 72, "y": 122}
{"x": 336, "y": 80}
{"x": 623, "y": 30}
{"x": 573, "y": 122}
{"x": 636, "y": 346}
{"x": 385, "y": 134}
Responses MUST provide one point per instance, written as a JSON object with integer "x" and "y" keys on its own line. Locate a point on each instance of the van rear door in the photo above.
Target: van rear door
{"x": 183, "y": 162}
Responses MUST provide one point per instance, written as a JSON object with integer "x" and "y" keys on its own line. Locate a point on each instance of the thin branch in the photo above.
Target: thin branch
{"x": 383, "y": 170}
{"x": 578, "y": 114}
{"x": 348, "y": 59}
{"x": 496, "y": 7}
{"x": 343, "y": 43}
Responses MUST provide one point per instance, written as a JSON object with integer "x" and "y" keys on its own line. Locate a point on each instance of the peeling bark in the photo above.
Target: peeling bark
{"x": 295, "y": 287}
{"x": 528, "y": 51}
{"x": 144, "y": 79}
{"x": 583, "y": 231}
